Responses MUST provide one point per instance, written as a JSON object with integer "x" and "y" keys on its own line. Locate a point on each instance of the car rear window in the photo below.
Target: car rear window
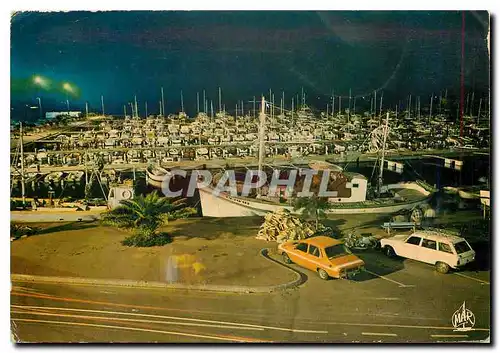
{"x": 462, "y": 247}
{"x": 336, "y": 250}
{"x": 445, "y": 248}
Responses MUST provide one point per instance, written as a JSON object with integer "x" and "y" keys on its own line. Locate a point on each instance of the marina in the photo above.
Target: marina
{"x": 113, "y": 149}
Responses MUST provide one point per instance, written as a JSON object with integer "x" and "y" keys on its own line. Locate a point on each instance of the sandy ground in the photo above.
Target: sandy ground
{"x": 205, "y": 250}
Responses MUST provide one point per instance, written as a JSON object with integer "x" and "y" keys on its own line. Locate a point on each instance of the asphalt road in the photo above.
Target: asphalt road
{"x": 394, "y": 301}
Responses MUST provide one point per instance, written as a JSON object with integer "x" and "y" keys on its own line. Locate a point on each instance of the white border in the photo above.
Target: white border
{"x": 57, "y": 5}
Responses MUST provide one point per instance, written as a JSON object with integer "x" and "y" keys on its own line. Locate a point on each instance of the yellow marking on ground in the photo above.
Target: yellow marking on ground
{"x": 472, "y": 278}
{"x": 198, "y": 267}
{"x": 378, "y": 334}
{"x": 230, "y": 339}
{"x": 40, "y": 313}
{"x": 170, "y": 317}
{"x": 94, "y": 302}
{"x": 26, "y": 289}
{"x": 448, "y": 336}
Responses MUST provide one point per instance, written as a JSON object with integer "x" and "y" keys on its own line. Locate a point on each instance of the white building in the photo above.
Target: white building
{"x": 52, "y": 115}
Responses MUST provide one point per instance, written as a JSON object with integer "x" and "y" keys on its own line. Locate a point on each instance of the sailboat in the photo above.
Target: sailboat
{"x": 156, "y": 175}
{"x": 351, "y": 191}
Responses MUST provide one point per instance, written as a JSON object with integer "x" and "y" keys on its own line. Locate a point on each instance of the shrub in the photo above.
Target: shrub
{"x": 144, "y": 240}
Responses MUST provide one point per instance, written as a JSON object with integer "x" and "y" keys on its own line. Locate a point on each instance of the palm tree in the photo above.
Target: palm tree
{"x": 146, "y": 214}
{"x": 312, "y": 207}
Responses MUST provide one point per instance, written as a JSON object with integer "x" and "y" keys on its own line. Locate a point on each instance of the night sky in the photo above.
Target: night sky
{"x": 119, "y": 54}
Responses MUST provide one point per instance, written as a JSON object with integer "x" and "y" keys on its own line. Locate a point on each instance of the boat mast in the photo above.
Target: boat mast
{"x": 182, "y": 103}
{"x": 430, "y": 110}
{"x": 198, "y": 102}
{"x": 22, "y": 161}
{"x": 349, "y": 110}
{"x": 204, "y": 103}
{"x": 333, "y": 102}
{"x": 409, "y": 107}
{"x": 382, "y": 161}
{"x": 283, "y": 100}
{"x": 102, "y": 104}
{"x": 479, "y": 112}
{"x": 162, "y": 113}
{"x": 86, "y": 109}
{"x": 135, "y": 105}
{"x": 220, "y": 101}
{"x": 381, "y": 99}
{"x": 261, "y": 137}
{"x": 418, "y": 107}
{"x": 471, "y": 108}
{"x": 146, "y": 109}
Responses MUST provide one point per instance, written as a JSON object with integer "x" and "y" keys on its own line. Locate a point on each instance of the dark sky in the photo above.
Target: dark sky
{"x": 119, "y": 54}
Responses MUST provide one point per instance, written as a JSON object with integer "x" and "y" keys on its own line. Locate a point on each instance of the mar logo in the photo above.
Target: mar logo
{"x": 463, "y": 319}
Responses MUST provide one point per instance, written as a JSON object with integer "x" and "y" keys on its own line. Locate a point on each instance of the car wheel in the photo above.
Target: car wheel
{"x": 286, "y": 259}
{"x": 441, "y": 267}
{"x": 322, "y": 274}
{"x": 389, "y": 251}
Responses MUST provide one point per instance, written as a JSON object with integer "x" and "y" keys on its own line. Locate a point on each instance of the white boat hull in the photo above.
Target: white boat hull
{"x": 468, "y": 195}
{"x": 224, "y": 205}
{"x": 156, "y": 180}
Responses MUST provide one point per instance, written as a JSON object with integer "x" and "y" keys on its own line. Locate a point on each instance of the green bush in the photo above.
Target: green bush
{"x": 140, "y": 239}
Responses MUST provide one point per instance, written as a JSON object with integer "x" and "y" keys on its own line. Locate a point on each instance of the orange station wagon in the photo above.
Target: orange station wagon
{"x": 327, "y": 256}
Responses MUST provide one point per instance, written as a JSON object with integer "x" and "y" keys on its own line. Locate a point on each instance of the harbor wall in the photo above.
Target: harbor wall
{"x": 56, "y": 215}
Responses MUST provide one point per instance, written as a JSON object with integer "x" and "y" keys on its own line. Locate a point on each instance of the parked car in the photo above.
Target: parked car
{"x": 327, "y": 256}
{"x": 437, "y": 248}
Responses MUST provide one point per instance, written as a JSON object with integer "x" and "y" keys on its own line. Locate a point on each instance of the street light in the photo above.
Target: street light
{"x": 69, "y": 89}
{"x": 40, "y": 81}
{"x": 40, "y": 105}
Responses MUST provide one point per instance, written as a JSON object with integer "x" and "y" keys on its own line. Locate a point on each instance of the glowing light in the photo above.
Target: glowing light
{"x": 40, "y": 81}
{"x": 67, "y": 87}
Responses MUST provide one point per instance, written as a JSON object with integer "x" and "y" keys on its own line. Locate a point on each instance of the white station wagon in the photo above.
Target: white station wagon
{"x": 433, "y": 247}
